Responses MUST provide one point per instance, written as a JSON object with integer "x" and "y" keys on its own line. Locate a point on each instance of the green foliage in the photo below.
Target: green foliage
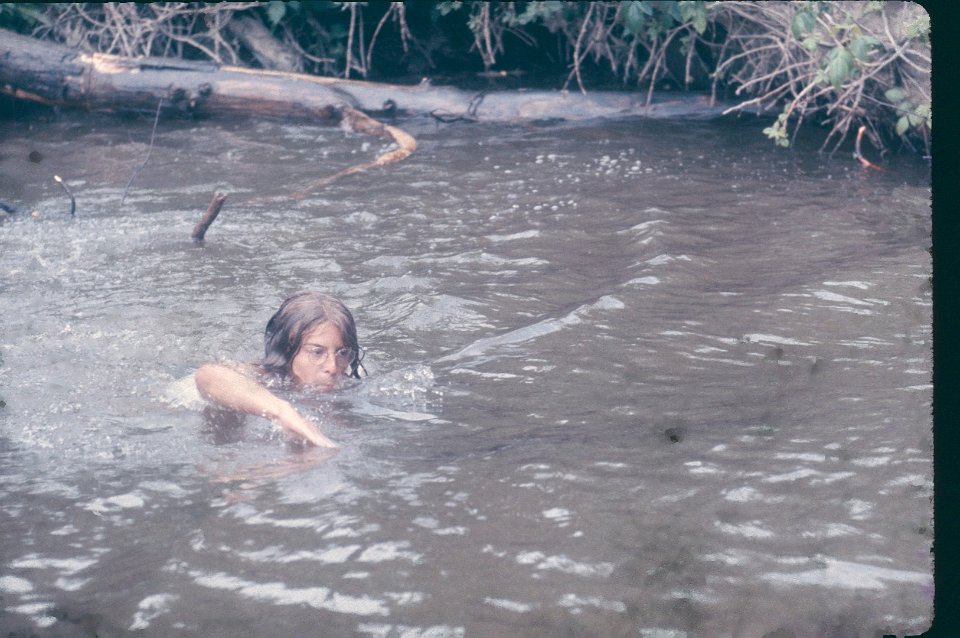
{"x": 449, "y": 6}
{"x": 840, "y": 65}
{"x": 635, "y": 14}
{"x": 651, "y": 19}
{"x": 803, "y": 23}
{"x": 838, "y": 61}
{"x": 694, "y": 13}
{"x": 276, "y": 10}
{"x": 911, "y": 116}
{"x": 919, "y": 29}
{"x": 533, "y": 12}
{"x": 778, "y": 131}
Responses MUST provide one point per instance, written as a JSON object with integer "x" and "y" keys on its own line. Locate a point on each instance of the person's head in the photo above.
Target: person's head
{"x": 312, "y": 340}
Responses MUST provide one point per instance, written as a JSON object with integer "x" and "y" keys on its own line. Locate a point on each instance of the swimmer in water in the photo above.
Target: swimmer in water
{"x": 311, "y": 341}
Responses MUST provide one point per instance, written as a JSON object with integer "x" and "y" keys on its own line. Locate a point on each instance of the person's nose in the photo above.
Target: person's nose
{"x": 330, "y": 365}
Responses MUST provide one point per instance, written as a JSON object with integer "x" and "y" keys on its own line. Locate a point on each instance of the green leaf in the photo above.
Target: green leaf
{"x": 635, "y": 16}
{"x": 275, "y": 11}
{"x": 670, "y": 9}
{"x": 839, "y": 67}
{"x": 920, "y": 28}
{"x": 694, "y": 13}
{"x": 552, "y": 6}
{"x": 700, "y": 22}
{"x": 860, "y": 48}
{"x": 895, "y": 95}
{"x": 449, "y": 6}
{"x": 803, "y": 22}
{"x": 902, "y": 125}
{"x": 811, "y": 43}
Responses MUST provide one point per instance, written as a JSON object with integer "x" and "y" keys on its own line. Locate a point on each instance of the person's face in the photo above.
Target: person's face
{"x": 322, "y": 358}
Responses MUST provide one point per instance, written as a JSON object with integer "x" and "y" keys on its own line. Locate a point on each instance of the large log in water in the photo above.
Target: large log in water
{"x": 58, "y": 75}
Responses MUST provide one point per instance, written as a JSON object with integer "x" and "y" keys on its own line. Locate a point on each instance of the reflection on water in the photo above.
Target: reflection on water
{"x": 631, "y": 378}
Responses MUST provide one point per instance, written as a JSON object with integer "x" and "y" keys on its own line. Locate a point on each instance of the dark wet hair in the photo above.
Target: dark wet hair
{"x": 298, "y": 314}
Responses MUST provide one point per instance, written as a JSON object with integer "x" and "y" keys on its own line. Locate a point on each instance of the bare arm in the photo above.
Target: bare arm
{"x": 229, "y": 387}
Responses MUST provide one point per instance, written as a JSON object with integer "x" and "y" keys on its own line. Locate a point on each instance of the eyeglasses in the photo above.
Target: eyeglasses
{"x": 320, "y": 354}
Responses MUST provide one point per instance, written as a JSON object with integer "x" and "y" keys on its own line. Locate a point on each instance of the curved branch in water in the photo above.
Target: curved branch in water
{"x": 359, "y": 122}
{"x": 73, "y": 201}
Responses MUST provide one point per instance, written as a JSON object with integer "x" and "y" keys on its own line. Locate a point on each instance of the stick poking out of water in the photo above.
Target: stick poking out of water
{"x": 73, "y": 201}
{"x": 859, "y": 156}
{"x": 212, "y": 211}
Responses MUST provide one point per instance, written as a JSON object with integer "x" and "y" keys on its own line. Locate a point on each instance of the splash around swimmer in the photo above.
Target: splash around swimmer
{"x": 310, "y": 341}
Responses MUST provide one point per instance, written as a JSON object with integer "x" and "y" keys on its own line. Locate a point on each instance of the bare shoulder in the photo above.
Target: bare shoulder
{"x": 218, "y": 372}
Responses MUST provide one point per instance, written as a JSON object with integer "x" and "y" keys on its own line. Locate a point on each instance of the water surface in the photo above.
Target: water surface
{"x": 639, "y": 378}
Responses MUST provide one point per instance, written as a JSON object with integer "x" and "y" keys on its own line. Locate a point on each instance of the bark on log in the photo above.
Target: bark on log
{"x": 58, "y": 75}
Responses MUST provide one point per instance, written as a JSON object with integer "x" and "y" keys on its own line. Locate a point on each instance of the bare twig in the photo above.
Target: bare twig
{"x": 376, "y": 32}
{"x": 577, "y": 58}
{"x": 353, "y": 20}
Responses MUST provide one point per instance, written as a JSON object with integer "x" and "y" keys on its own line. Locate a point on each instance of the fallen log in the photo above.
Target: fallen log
{"x": 58, "y": 75}
{"x": 55, "y": 74}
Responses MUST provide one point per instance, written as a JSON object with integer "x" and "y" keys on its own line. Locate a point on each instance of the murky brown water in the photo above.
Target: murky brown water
{"x": 631, "y": 378}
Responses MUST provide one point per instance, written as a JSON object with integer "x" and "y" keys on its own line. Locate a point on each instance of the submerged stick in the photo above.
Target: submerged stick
{"x": 63, "y": 185}
{"x": 212, "y": 211}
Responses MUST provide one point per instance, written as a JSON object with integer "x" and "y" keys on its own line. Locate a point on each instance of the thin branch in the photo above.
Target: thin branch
{"x": 376, "y": 32}
{"x": 153, "y": 134}
{"x": 577, "y": 58}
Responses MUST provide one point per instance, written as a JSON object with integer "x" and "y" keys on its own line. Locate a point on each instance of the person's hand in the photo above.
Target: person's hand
{"x": 295, "y": 423}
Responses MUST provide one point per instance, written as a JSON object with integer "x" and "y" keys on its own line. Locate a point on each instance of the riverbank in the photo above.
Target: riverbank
{"x": 842, "y": 65}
